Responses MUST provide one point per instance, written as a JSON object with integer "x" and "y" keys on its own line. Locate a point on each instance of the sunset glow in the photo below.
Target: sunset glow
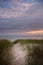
{"x": 35, "y": 32}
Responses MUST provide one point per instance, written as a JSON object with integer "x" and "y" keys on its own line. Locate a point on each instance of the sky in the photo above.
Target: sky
{"x": 21, "y": 19}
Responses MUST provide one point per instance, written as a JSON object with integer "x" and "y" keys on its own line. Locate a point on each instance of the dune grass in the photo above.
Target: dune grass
{"x": 37, "y": 54}
{"x": 28, "y": 41}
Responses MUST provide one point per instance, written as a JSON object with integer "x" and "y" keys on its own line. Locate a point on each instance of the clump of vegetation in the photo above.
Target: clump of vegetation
{"x": 5, "y": 46}
{"x": 28, "y": 41}
{"x": 35, "y": 55}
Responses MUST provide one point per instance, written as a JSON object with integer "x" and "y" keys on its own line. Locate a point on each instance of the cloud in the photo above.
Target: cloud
{"x": 25, "y": 4}
{"x": 16, "y": 8}
{"x": 13, "y": 8}
{"x": 38, "y": 1}
{"x": 29, "y": 19}
{"x": 21, "y": 17}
